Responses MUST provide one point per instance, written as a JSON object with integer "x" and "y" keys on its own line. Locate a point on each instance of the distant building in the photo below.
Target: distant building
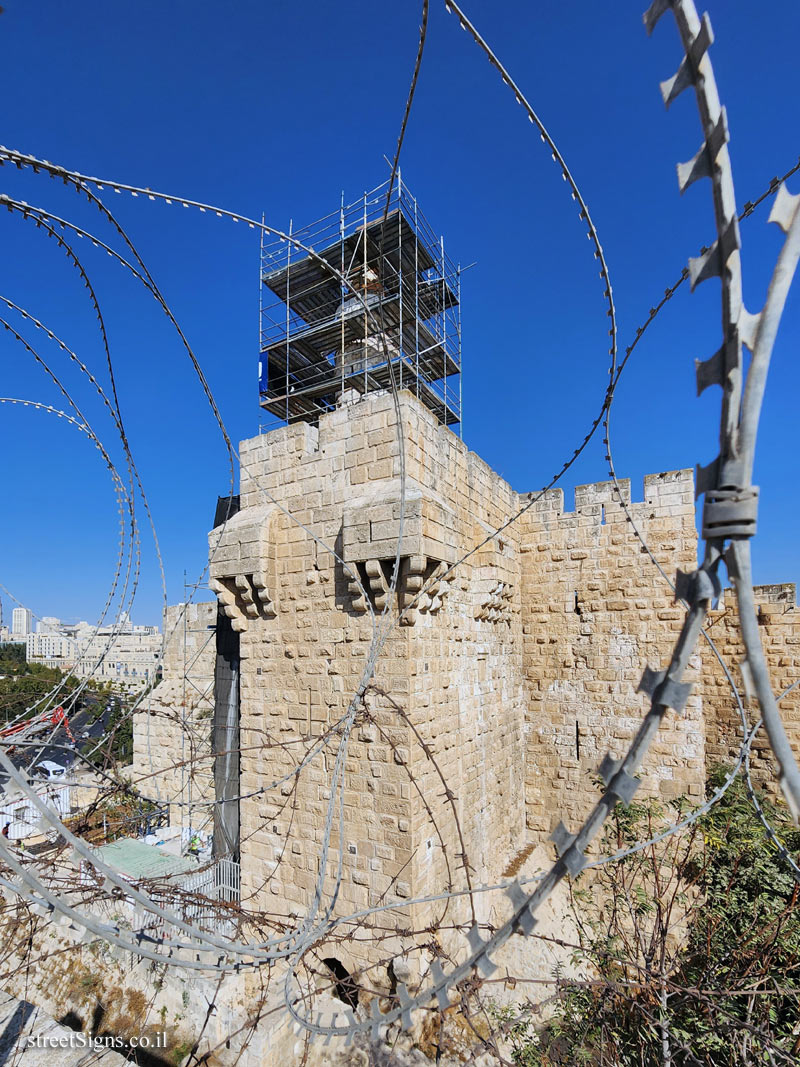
{"x": 21, "y": 622}
{"x": 126, "y": 656}
{"x": 120, "y": 653}
{"x": 51, "y": 649}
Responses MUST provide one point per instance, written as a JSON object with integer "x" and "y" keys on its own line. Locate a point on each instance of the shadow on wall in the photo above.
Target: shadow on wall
{"x": 143, "y": 1057}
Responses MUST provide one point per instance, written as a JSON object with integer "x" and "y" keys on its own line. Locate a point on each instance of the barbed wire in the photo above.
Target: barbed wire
{"x": 37, "y": 164}
{"x": 666, "y": 689}
{"x": 38, "y": 215}
{"x": 134, "y": 557}
{"x": 124, "y": 502}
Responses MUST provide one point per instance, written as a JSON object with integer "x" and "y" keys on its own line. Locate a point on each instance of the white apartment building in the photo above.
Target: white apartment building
{"x": 52, "y": 649}
{"x": 21, "y": 622}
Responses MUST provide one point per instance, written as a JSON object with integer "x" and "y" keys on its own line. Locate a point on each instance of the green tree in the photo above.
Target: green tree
{"x": 691, "y": 948}
{"x": 20, "y": 692}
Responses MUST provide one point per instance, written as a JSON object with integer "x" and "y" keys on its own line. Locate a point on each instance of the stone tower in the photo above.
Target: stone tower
{"x": 435, "y": 761}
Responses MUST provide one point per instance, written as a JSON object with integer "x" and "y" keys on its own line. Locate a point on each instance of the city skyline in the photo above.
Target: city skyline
{"x": 40, "y": 622}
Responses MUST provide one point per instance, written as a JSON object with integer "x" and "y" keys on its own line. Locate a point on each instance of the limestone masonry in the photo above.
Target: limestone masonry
{"x": 494, "y": 700}
{"x": 172, "y": 731}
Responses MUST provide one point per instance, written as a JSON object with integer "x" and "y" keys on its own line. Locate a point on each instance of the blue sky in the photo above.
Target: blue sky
{"x": 277, "y": 107}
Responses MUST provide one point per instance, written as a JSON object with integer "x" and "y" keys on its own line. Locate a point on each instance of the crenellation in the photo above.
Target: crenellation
{"x": 602, "y": 502}
{"x": 599, "y": 493}
{"x": 783, "y": 595}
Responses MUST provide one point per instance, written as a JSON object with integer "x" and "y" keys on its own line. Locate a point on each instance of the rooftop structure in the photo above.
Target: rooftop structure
{"x": 377, "y": 299}
{"x": 135, "y": 859}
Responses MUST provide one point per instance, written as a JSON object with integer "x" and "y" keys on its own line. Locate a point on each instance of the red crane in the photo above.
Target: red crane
{"x": 56, "y": 717}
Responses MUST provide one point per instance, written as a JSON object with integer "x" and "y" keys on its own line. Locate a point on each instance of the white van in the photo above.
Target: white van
{"x": 50, "y": 770}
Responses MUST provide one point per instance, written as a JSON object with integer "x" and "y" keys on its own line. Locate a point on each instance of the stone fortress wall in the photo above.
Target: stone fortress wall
{"x": 494, "y": 700}
{"x": 597, "y": 612}
{"x": 172, "y": 756}
{"x": 779, "y": 622}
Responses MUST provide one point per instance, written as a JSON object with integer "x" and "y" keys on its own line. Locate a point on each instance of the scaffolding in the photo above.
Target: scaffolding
{"x": 390, "y": 307}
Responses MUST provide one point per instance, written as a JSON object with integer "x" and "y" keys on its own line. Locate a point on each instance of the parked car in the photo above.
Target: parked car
{"x": 50, "y": 770}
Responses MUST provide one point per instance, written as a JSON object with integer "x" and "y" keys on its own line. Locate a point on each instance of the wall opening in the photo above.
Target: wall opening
{"x": 344, "y": 985}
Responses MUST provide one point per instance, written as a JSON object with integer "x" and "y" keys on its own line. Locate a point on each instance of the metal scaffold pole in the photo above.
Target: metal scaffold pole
{"x": 342, "y": 291}
{"x": 288, "y": 316}
{"x": 458, "y": 342}
{"x": 364, "y": 293}
{"x": 416, "y": 294}
{"x": 400, "y": 275}
{"x": 347, "y": 311}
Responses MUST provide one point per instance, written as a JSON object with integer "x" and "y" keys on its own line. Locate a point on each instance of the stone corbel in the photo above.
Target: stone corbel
{"x": 242, "y": 567}
{"x": 243, "y": 597}
{"x": 417, "y": 573}
{"x": 372, "y": 580}
{"x": 412, "y": 579}
{"x": 423, "y": 587}
{"x": 227, "y": 603}
{"x": 437, "y": 590}
{"x": 499, "y": 605}
{"x": 268, "y": 609}
{"x": 378, "y": 586}
{"x": 356, "y": 591}
{"x": 372, "y": 530}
